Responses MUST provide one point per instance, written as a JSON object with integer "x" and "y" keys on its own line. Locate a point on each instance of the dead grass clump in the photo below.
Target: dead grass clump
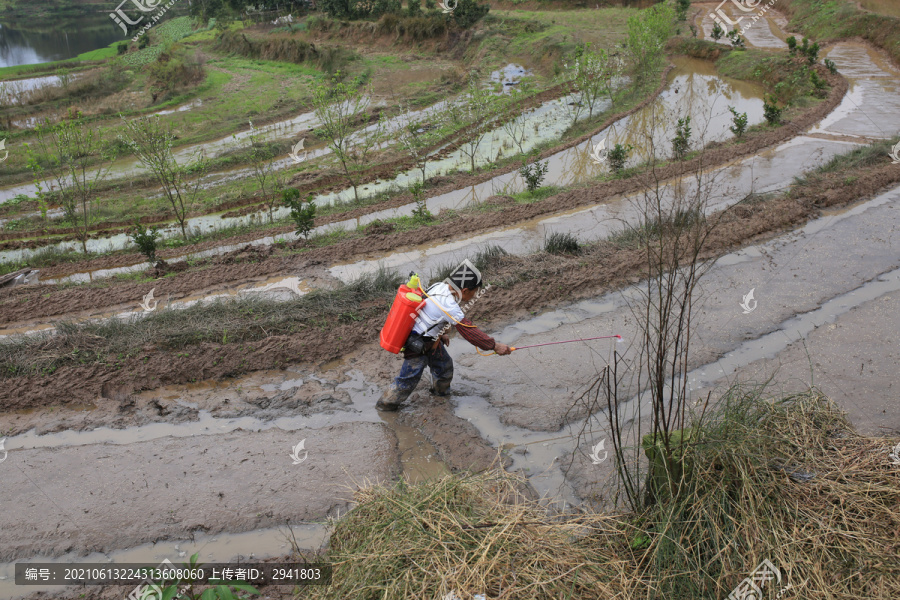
{"x": 469, "y": 534}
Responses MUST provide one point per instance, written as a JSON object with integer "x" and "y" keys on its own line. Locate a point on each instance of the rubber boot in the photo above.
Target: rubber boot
{"x": 393, "y": 401}
{"x": 441, "y": 387}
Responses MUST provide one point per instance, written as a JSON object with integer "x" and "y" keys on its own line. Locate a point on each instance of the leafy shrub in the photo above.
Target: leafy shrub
{"x": 420, "y": 212}
{"x": 770, "y": 110}
{"x": 534, "y": 173}
{"x": 736, "y": 40}
{"x": 146, "y": 240}
{"x": 174, "y": 71}
{"x": 811, "y": 52}
{"x": 682, "y": 140}
{"x": 718, "y": 32}
{"x": 617, "y": 157}
{"x": 682, "y": 8}
{"x": 832, "y": 68}
{"x": 303, "y": 213}
{"x": 792, "y": 44}
{"x": 817, "y": 82}
{"x": 738, "y": 122}
{"x": 143, "y": 41}
{"x": 122, "y": 48}
{"x": 469, "y": 12}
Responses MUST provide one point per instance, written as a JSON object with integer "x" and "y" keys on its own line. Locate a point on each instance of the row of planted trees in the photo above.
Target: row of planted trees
{"x": 71, "y": 159}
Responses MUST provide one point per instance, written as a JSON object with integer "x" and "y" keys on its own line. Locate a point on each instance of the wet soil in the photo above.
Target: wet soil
{"x": 607, "y": 267}
{"x": 23, "y": 303}
{"x": 203, "y": 483}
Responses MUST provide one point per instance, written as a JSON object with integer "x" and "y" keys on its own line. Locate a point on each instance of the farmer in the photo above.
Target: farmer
{"x": 425, "y": 346}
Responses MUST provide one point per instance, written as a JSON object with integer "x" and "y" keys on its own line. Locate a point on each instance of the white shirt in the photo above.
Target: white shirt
{"x": 431, "y": 320}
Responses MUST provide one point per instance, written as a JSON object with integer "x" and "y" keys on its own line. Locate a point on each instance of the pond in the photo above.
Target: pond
{"x": 44, "y": 39}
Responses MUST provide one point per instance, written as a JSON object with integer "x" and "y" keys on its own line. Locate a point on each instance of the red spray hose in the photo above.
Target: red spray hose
{"x": 602, "y": 337}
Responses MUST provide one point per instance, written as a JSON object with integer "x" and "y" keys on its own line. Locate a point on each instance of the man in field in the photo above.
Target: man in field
{"x": 425, "y": 346}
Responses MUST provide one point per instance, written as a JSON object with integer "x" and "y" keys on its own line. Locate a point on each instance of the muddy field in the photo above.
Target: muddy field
{"x": 167, "y": 453}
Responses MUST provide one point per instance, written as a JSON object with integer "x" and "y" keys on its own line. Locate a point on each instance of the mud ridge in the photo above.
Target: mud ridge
{"x": 608, "y": 267}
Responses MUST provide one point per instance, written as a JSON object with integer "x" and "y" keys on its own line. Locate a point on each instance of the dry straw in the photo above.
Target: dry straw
{"x": 787, "y": 480}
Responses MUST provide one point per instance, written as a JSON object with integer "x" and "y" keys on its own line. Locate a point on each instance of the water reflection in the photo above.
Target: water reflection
{"x": 49, "y": 38}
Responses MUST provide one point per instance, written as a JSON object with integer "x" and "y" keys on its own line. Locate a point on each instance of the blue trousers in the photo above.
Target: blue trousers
{"x": 413, "y": 366}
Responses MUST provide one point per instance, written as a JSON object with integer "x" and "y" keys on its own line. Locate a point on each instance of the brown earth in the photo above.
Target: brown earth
{"x": 29, "y": 303}
{"x": 607, "y": 266}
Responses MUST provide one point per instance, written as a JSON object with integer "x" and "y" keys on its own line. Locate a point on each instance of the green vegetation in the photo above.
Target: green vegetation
{"x": 682, "y": 140}
{"x": 617, "y": 157}
{"x": 561, "y": 242}
{"x": 146, "y": 240}
{"x": 534, "y": 173}
{"x": 827, "y": 20}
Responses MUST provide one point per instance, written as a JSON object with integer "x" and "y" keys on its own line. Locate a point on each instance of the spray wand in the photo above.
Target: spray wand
{"x": 602, "y": 337}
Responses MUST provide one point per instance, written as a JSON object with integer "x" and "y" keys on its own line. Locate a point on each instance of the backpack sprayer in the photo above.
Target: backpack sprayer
{"x": 402, "y": 317}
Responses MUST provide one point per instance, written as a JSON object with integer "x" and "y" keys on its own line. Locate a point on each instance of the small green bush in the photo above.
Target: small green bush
{"x": 770, "y": 110}
{"x": 534, "y": 173}
{"x": 146, "y": 240}
{"x": 617, "y": 157}
{"x": 738, "y": 122}
{"x": 561, "y": 242}
{"x": 420, "y": 212}
{"x": 303, "y": 213}
{"x": 682, "y": 140}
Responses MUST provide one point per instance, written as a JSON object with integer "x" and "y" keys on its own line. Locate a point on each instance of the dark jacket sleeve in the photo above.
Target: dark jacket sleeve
{"x": 475, "y": 336}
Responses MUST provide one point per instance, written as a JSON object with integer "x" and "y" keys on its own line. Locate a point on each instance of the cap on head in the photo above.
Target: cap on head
{"x": 465, "y": 276}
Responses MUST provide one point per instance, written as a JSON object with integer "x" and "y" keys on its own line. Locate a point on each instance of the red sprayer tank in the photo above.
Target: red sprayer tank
{"x": 402, "y": 317}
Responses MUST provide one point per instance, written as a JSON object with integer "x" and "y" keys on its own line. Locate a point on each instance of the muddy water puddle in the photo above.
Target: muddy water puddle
{"x": 225, "y": 547}
{"x": 269, "y": 399}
